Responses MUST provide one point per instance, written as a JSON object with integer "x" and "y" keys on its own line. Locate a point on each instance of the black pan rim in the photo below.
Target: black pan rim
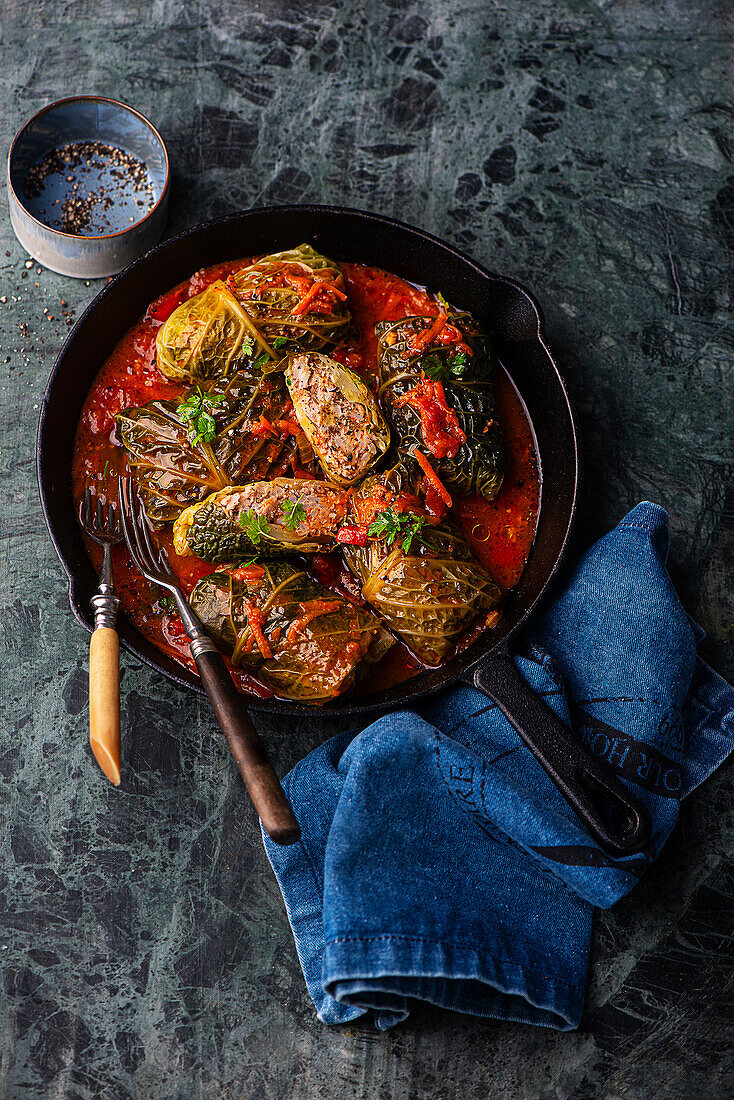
{"x": 459, "y": 668}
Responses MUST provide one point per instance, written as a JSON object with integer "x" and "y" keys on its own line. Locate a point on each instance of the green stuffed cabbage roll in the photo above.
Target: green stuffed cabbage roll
{"x": 296, "y": 298}
{"x": 300, "y": 639}
{"x": 175, "y": 464}
{"x": 338, "y": 414}
{"x": 284, "y": 515}
{"x": 421, "y": 578}
{"x": 208, "y": 336}
{"x": 411, "y": 358}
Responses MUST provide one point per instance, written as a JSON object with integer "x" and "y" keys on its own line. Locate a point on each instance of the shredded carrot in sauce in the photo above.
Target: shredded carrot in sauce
{"x": 306, "y": 300}
{"x": 421, "y": 340}
{"x": 440, "y": 428}
{"x": 263, "y": 426}
{"x": 288, "y": 427}
{"x": 297, "y": 281}
{"x": 433, "y": 501}
{"x": 452, "y": 335}
{"x": 251, "y": 572}
{"x": 439, "y": 332}
{"x": 312, "y": 609}
{"x": 255, "y": 620}
{"x": 315, "y": 294}
{"x": 431, "y": 475}
{"x": 309, "y": 299}
{"x": 283, "y": 426}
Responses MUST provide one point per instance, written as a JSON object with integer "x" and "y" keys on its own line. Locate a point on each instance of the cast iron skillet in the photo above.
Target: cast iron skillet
{"x": 611, "y": 814}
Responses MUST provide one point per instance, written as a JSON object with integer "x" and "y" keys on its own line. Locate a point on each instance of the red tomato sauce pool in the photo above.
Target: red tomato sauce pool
{"x": 500, "y": 532}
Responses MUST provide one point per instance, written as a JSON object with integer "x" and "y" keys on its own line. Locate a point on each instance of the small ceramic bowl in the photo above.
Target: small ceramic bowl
{"x": 90, "y": 210}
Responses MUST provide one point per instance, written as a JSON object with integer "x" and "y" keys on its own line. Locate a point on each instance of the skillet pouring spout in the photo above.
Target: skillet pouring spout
{"x": 618, "y": 822}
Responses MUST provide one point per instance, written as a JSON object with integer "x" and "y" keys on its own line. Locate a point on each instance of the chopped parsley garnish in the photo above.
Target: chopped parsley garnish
{"x": 443, "y": 301}
{"x": 442, "y": 368}
{"x": 196, "y": 413}
{"x": 405, "y": 526}
{"x": 166, "y": 603}
{"x": 261, "y": 361}
{"x": 248, "y": 345}
{"x": 280, "y": 342}
{"x": 247, "y": 564}
{"x": 294, "y": 513}
{"x": 254, "y": 525}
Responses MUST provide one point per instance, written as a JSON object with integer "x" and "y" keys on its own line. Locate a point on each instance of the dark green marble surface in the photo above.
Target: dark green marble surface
{"x": 583, "y": 147}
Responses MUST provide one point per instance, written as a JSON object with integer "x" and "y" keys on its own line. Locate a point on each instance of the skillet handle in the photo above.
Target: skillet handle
{"x": 583, "y": 781}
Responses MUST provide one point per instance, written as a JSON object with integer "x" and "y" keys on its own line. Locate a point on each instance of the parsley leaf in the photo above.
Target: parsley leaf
{"x": 248, "y": 345}
{"x": 279, "y": 342}
{"x": 261, "y": 361}
{"x": 441, "y": 368}
{"x": 433, "y": 366}
{"x": 458, "y": 362}
{"x": 405, "y": 526}
{"x": 196, "y": 413}
{"x": 247, "y": 564}
{"x": 294, "y": 513}
{"x": 206, "y": 426}
{"x": 255, "y": 526}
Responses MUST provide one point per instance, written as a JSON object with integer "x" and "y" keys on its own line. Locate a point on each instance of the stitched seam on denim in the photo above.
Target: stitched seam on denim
{"x": 638, "y": 527}
{"x": 440, "y": 943}
{"x": 624, "y": 699}
{"x": 319, "y": 885}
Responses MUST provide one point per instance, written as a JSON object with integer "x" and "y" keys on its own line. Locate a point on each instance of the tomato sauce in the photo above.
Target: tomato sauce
{"x": 500, "y": 532}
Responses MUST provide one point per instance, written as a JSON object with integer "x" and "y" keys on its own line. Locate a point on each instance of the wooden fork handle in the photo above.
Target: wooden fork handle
{"x": 268, "y": 797}
{"x": 104, "y": 701}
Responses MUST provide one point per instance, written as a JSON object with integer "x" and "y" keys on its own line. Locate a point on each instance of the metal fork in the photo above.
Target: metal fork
{"x": 267, "y": 795}
{"x": 102, "y": 525}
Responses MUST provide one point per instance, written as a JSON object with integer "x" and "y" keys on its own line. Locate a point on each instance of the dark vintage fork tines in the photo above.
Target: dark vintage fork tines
{"x": 101, "y": 523}
{"x": 256, "y": 770}
{"x": 150, "y": 561}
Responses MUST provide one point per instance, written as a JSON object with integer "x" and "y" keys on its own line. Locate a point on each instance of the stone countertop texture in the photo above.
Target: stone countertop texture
{"x": 582, "y": 147}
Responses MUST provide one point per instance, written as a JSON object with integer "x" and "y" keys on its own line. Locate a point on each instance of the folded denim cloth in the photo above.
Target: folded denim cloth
{"x": 440, "y": 863}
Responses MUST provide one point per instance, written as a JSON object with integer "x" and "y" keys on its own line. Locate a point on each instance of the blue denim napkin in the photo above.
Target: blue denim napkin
{"x": 439, "y": 862}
